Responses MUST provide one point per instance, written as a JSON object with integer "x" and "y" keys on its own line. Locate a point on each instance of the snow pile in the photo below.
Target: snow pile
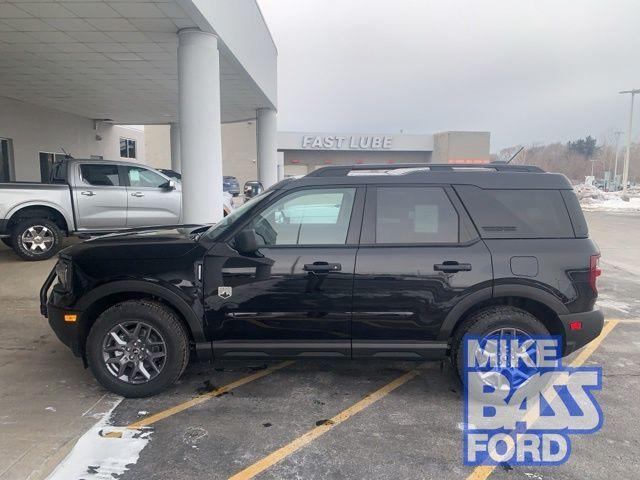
{"x": 593, "y": 199}
{"x": 104, "y": 452}
{"x": 587, "y": 193}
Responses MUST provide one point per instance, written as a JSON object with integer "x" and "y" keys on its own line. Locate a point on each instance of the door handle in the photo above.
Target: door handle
{"x": 87, "y": 193}
{"x": 322, "y": 267}
{"x": 137, "y": 194}
{"x": 451, "y": 266}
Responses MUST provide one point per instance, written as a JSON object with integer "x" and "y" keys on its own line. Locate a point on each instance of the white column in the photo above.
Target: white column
{"x": 266, "y": 130}
{"x": 280, "y": 166}
{"x": 174, "y": 135}
{"x": 200, "y": 129}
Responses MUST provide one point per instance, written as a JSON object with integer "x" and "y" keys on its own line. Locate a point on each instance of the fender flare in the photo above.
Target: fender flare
{"x": 42, "y": 204}
{"x": 173, "y": 298}
{"x": 507, "y": 290}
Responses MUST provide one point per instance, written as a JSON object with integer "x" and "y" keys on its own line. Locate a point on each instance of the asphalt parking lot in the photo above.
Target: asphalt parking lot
{"x": 301, "y": 419}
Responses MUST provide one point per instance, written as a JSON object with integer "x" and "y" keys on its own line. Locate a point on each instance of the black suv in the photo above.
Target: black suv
{"x": 356, "y": 262}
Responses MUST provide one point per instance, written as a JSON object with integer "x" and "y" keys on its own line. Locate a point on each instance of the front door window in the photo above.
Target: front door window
{"x": 307, "y": 217}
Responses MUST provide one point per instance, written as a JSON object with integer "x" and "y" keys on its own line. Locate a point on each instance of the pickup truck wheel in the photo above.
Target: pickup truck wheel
{"x": 137, "y": 348}
{"x": 36, "y": 239}
{"x": 500, "y": 320}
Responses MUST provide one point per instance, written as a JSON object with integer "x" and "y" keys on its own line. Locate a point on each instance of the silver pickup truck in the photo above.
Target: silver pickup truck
{"x": 86, "y": 197}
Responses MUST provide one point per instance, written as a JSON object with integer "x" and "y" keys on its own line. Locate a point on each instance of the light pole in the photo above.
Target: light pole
{"x": 615, "y": 164}
{"x": 625, "y": 170}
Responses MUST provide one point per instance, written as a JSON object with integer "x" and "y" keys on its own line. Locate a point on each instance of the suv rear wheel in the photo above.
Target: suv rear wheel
{"x": 137, "y": 348}
{"x": 499, "y": 320}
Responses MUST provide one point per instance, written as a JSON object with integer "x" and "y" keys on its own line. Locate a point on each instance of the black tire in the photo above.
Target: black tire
{"x": 7, "y": 241}
{"x": 489, "y": 319}
{"x": 22, "y": 248}
{"x": 164, "y": 321}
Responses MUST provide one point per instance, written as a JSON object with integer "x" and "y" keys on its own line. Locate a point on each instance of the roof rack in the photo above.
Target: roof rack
{"x": 345, "y": 170}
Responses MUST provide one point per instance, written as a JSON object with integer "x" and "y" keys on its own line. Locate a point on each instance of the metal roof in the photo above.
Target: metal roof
{"x": 117, "y": 60}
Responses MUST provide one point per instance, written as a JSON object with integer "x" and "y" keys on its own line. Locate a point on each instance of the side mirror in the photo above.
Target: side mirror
{"x": 246, "y": 241}
{"x": 170, "y": 185}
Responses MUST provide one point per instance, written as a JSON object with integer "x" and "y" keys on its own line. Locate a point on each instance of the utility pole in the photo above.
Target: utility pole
{"x": 615, "y": 164}
{"x": 625, "y": 171}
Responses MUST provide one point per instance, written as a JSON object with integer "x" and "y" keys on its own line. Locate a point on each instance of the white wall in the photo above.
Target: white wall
{"x": 35, "y": 129}
{"x": 157, "y": 142}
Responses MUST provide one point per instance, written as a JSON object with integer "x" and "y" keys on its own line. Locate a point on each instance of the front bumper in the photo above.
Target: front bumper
{"x": 4, "y": 228}
{"x": 69, "y": 332}
{"x": 592, "y": 323}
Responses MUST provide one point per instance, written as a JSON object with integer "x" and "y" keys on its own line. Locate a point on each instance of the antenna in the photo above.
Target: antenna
{"x": 514, "y": 155}
{"x": 67, "y": 155}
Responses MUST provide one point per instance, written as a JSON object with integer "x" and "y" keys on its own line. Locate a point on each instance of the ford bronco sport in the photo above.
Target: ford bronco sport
{"x": 362, "y": 261}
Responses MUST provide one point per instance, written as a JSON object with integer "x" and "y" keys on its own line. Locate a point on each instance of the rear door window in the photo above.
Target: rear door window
{"x": 100, "y": 175}
{"x": 518, "y": 213}
{"x": 409, "y": 215}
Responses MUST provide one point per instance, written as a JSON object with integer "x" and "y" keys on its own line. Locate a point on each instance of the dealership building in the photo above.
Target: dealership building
{"x": 300, "y": 153}
{"x": 71, "y": 72}
{"x": 196, "y": 82}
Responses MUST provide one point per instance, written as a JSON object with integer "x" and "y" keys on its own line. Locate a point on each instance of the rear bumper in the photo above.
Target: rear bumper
{"x": 592, "y": 323}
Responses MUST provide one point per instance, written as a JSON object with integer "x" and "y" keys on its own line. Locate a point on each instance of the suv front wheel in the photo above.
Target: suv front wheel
{"x": 137, "y": 348}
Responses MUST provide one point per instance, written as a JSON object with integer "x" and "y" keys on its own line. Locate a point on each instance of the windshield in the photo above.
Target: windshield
{"x": 219, "y": 228}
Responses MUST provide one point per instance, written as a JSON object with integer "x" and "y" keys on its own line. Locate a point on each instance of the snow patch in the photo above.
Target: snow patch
{"x": 593, "y": 199}
{"x": 104, "y": 452}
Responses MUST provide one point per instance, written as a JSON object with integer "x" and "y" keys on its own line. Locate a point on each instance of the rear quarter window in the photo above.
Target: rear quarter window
{"x": 505, "y": 213}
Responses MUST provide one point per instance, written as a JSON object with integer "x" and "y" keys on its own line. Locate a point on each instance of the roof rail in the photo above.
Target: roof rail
{"x": 345, "y": 170}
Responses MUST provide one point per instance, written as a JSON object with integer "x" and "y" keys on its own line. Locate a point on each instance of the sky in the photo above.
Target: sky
{"x": 528, "y": 71}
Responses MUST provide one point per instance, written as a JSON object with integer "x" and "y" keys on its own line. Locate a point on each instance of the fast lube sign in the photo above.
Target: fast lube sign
{"x": 344, "y": 142}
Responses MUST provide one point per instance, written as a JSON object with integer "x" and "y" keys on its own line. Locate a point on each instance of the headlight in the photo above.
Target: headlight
{"x": 63, "y": 271}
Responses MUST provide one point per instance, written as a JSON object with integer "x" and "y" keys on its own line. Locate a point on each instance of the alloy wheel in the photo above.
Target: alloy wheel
{"x": 515, "y": 376}
{"x": 134, "y": 352}
{"x": 37, "y": 239}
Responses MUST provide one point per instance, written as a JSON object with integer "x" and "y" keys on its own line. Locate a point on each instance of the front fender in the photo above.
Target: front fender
{"x": 189, "y": 308}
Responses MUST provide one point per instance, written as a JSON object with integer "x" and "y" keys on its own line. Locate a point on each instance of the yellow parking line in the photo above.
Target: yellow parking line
{"x": 145, "y": 422}
{"x": 283, "y": 452}
{"x": 483, "y": 472}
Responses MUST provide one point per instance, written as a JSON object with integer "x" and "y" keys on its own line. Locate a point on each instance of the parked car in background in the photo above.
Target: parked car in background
{"x": 227, "y": 200}
{"x": 252, "y": 188}
{"x": 336, "y": 265}
{"x": 230, "y": 184}
{"x": 86, "y": 197}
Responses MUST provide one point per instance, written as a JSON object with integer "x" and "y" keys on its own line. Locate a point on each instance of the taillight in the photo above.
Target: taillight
{"x": 594, "y": 271}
